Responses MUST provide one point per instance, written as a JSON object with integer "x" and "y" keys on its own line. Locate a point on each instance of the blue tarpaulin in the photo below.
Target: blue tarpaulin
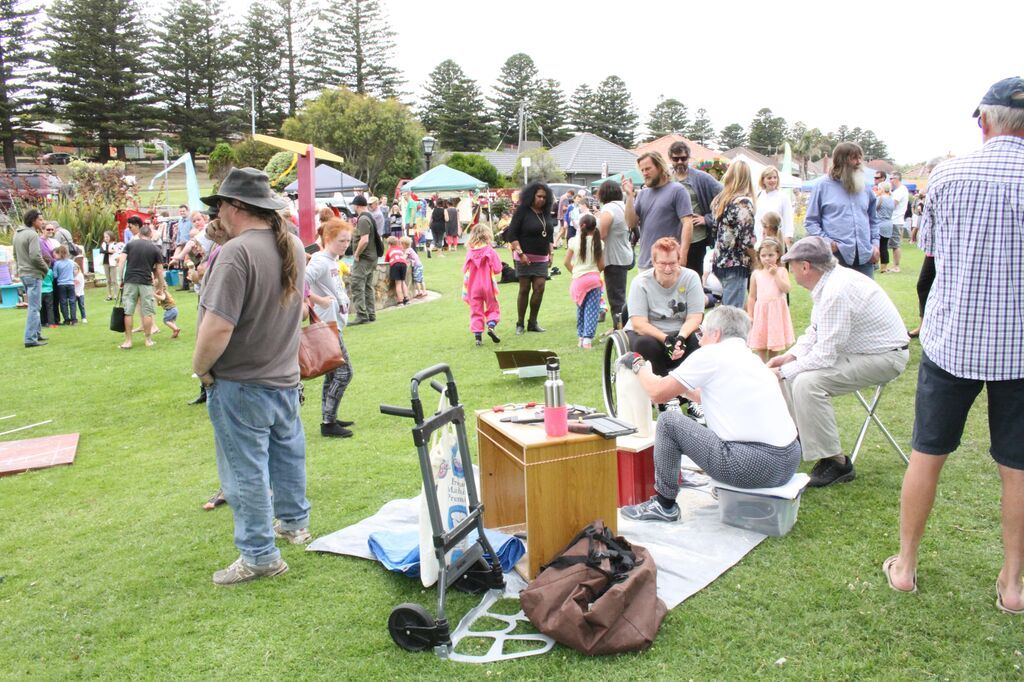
{"x": 400, "y": 552}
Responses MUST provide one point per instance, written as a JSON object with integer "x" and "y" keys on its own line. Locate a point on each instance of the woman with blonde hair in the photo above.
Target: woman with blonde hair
{"x": 734, "y": 252}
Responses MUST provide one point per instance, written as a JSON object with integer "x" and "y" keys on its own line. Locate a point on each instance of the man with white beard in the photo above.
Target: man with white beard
{"x": 842, "y": 210}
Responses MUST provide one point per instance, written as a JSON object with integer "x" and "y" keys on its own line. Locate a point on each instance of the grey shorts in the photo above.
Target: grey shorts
{"x": 136, "y": 294}
{"x": 897, "y": 235}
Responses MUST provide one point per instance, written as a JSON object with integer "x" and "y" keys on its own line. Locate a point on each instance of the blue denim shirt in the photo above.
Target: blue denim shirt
{"x": 847, "y": 219}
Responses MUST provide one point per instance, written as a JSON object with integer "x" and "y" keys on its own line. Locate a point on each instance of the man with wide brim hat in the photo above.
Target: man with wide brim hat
{"x": 246, "y": 355}
{"x": 248, "y": 186}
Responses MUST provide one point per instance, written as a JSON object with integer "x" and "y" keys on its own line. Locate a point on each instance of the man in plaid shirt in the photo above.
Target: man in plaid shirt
{"x": 856, "y": 339}
{"x": 971, "y": 333}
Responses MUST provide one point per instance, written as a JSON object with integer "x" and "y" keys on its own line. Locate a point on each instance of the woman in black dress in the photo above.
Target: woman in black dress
{"x": 531, "y": 235}
{"x": 437, "y": 223}
{"x": 451, "y": 224}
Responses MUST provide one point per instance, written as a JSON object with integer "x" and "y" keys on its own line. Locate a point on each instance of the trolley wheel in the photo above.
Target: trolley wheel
{"x": 412, "y": 627}
{"x": 616, "y": 344}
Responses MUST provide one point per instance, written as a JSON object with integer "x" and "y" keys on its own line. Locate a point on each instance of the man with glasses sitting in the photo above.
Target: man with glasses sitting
{"x": 702, "y": 188}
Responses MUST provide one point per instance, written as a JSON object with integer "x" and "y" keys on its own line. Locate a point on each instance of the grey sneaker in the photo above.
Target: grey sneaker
{"x": 299, "y": 536}
{"x": 243, "y": 572}
{"x": 651, "y": 510}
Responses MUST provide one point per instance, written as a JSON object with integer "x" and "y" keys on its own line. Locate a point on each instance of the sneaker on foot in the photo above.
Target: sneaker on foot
{"x": 651, "y": 510}
{"x": 334, "y": 430}
{"x": 490, "y": 333}
{"x": 299, "y": 536}
{"x": 696, "y": 412}
{"x": 520, "y": 330}
{"x": 243, "y": 572}
{"x": 828, "y": 471}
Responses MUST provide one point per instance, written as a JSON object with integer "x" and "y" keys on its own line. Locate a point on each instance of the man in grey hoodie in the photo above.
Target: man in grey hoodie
{"x": 31, "y": 269}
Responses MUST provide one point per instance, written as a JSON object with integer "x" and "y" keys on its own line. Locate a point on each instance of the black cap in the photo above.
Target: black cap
{"x": 1002, "y": 95}
{"x": 359, "y": 200}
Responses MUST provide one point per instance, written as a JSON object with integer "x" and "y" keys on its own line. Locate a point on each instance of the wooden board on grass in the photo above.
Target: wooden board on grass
{"x": 17, "y": 456}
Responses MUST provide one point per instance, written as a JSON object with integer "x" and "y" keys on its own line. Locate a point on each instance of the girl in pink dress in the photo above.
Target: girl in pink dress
{"x": 772, "y": 331}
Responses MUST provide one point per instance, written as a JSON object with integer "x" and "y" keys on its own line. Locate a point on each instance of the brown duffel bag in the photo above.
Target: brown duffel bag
{"x": 599, "y": 596}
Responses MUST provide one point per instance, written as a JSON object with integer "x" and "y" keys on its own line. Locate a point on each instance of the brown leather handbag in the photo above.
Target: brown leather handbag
{"x": 599, "y": 596}
{"x": 319, "y": 349}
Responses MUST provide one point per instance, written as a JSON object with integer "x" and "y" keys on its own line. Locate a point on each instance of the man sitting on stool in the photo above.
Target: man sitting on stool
{"x": 856, "y": 339}
{"x": 750, "y": 440}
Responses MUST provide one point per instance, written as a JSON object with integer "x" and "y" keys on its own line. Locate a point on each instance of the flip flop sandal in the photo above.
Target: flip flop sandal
{"x": 215, "y": 501}
{"x": 887, "y": 569}
{"x": 1003, "y": 607}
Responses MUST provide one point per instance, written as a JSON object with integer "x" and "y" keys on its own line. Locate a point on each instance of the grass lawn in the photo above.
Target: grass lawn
{"x": 105, "y": 565}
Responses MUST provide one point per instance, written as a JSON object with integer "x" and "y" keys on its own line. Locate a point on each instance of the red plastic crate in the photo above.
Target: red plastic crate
{"x": 636, "y": 476}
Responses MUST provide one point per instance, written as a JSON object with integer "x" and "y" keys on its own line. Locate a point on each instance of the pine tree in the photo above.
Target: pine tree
{"x": 295, "y": 22}
{"x": 701, "y": 131}
{"x": 453, "y": 109}
{"x": 352, "y": 46}
{"x": 517, "y": 85}
{"x": 548, "y": 112}
{"x": 667, "y": 116}
{"x": 259, "y": 54}
{"x": 191, "y": 69}
{"x": 96, "y": 54}
{"x": 17, "y": 21}
{"x": 767, "y": 132}
{"x": 581, "y": 110}
{"x": 732, "y": 135}
{"x": 613, "y": 110}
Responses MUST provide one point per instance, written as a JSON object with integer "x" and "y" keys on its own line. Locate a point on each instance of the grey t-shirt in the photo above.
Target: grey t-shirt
{"x": 244, "y": 288}
{"x": 661, "y": 210}
{"x": 665, "y": 307}
{"x": 324, "y": 279}
{"x": 617, "y": 249}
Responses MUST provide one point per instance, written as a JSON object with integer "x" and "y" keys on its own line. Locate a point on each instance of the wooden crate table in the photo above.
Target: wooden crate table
{"x": 551, "y": 488}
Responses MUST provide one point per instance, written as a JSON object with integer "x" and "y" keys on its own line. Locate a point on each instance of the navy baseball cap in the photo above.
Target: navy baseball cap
{"x": 1002, "y": 95}
{"x": 359, "y": 200}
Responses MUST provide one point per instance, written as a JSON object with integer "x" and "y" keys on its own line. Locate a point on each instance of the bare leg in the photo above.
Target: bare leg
{"x": 1013, "y": 537}
{"x": 916, "y": 500}
{"x": 128, "y": 322}
{"x": 147, "y": 329}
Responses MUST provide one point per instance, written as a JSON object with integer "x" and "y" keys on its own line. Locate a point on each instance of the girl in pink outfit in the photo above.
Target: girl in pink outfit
{"x": 479, "y": 289}
{"x": 772, "y": 331}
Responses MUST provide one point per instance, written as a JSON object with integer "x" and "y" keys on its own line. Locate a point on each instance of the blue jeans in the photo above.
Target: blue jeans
{"x": 734, "y": 287}
{"x": 34, "y": 296}
{"x": 261, "y": 460}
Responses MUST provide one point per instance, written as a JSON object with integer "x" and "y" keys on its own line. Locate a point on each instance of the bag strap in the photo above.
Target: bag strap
{"x": 313, "y": 318}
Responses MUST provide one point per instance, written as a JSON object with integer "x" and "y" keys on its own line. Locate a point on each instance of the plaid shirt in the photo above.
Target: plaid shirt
{"x": 973, "y": 225}
{"x": 851, "y": 316}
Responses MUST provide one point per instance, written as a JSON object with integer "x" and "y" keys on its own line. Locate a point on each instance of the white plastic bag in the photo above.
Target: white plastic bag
{"x": 452, "y": 497}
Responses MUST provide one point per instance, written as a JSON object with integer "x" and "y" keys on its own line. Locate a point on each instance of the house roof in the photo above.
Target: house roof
{"x": 881, "y": 165}
{"x": 504, "y": 161}
{"x": 750, "y": 153}
{"x": 588, "y": 153}
{"x": 698, "y": 152}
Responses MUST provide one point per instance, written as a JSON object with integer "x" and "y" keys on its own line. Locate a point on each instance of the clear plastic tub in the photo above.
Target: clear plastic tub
{"x": 773, "y": 516}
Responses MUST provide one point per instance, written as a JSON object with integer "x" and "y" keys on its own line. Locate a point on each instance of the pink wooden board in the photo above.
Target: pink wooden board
{"x": 37, "y": 453}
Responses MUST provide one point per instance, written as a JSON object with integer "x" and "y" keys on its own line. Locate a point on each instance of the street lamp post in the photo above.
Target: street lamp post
{"x": 428, "y": 148}
{"x": 252, "y": 99}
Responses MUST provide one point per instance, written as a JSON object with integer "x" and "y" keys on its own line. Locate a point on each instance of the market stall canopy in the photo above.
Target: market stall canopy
{"x": 444, "y": 179}
{"x": 330, "y": 180}
{"x": 633, "y": 174}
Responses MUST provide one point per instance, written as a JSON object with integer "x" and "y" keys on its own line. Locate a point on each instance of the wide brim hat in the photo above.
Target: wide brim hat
{"x": 249, "y": 186}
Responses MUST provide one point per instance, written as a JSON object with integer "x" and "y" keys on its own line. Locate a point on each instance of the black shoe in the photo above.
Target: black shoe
{"x": 478, "y": 338}
{"x": 520, "y": 329}
{"x": 828, "y": 471}
{"x": 200, "y": 399}
{"x": 342, "y": 422}
{"x": 534, "y": 327}
{"x": 334, "y": 430}
{"x": 494, "y": 337}
{"x": 33, "y": 344}
{"x": 42, "y": 338}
